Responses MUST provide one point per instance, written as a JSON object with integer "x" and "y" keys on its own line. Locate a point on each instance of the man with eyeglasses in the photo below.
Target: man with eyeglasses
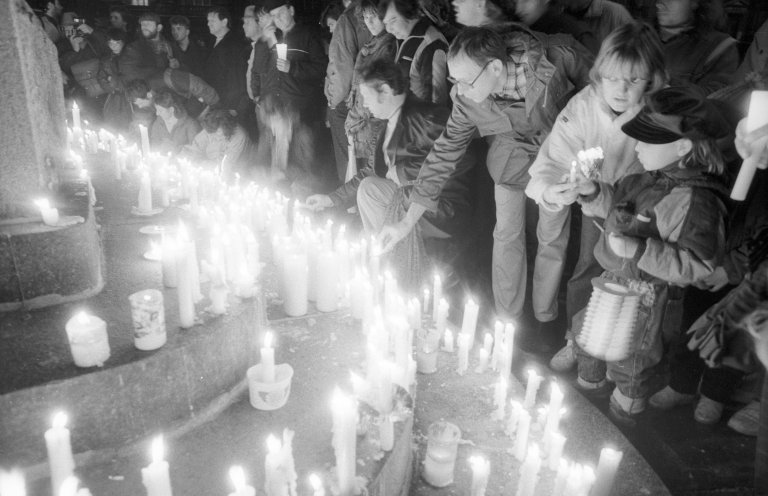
{"x": 508, "y": 87}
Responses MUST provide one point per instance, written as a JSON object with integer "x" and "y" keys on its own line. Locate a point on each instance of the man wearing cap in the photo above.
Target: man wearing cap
{"x": 188, "y": 55}
{"x": 298, "y": 78}
{"x": 226, "y": 64}
{"x": 147, "y": 57}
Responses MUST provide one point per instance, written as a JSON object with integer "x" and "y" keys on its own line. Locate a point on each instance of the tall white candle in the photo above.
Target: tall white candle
{"x": 317, "y": 485}
{"x": 155, "y": 476}
{"x": 268, "y": 359}
{"x": 529, "y": 472}
{"x": 144, "y": 132}
{"x": 184, "y": 290}
{"x": 294, "y": 280}
{"x": 556, "y": 444}
{"x": 275, "y": 483}
{"x": 532, "y": 387}
{"x": 448, "y": 341}
{"x": 88, "y": 340}
{"x": 425, "y": 301}
{"x": 505, "y": 354}
{"x": 521, "y": 436}
{"x": 756, "y": 117}
{"x": 386, "y": 432}
{"x": 344, "y": 441}
{"x": 587, "y": 481}
{"x": 560, "y": 478}
{"x": 169, "y": 249}
{"x": 437, "y": 295}
{"x": 482, "y": 365}
{"x": 607, "y": 467}
{"x": 282, "y": 51}
{"x": 481, "y": 470}
{"x": 573, "y": 482}
{"x": 488, "y": 343}
{"x": 464, "y": 343}
{"x": 148, "y": 315}
{"x": 514, "y": 417}
{"x": 145, "y": 193}
{"x": 327, "y": 281}
{"x": 469, "y": 323}
{"x": 76, "y": 116}
{"x": 442, "y": 315}
{"x": 60, "y": 458}
{"x": 498, "y": 338}
{"x": 500, "y": 397}
{"x": 553, "y": 412}
{"x": 237, "y": 475}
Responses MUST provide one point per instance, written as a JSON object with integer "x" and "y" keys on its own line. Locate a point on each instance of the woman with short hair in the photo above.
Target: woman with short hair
{"x": 173, "y": 128}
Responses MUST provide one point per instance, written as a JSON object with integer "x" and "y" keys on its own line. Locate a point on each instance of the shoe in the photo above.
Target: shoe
{"x": 746, "y": 420}
{"x": 564, "y": 360}
{"x": 668, "y": 398}
{"x": 601, "y": 389}
{"x": 621, "y": 416}
{"x": 708, "y": 411}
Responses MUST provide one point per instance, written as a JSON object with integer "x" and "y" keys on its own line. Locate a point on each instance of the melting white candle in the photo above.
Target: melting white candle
{"x": 469, "y": 324}
{"x": 344, "y": 440}
{"x": 155, "y": 476}
{"x": 437, "y": 295}
{"x": 534, "y": 381}
{"x": 481, "y": 469}
{"x": 607, "y": 467}
{"x": 448, "y": 341}
{"x": 268, "y": 359}
{"x": 88, "y": 341}
{"x": 529, "y": 472}
{"x": 60, "y": 458}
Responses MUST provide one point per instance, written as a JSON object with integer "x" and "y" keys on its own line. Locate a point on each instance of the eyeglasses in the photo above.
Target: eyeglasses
{"x": 471, "y": 85}
{"x": 630, "y": 81}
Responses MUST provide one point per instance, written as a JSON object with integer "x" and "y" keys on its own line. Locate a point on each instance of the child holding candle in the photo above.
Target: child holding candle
{"x": 629, "y": 67}
{"x": 664, "y": 229}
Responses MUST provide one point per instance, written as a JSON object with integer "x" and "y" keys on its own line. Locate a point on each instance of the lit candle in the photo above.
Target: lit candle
{"x": 521, "y": 435}
{"x": 317, "y": 485}
{"x": 12, "y": 483}
{"x": 327, "y": 281}
{"x": 169, "y": 248}
{"x": 439, "y": 462}
{"x": 60, "y": 458}
{"x": 148, "y": 315}
{"x": 488, "y": 343}
{"x": 155, "y": 476}
{"x": 294, "y": 278}
{"x": 514, "y": 417}
{"x": 88, "y": 340}
{"x": 437, "y": 295}
{"x": 344, "y": 441}
{"x": 587, "y": 481}
{"x": 185, "y": 291}
{"x": 218, "y": 295}
{"x": 237, "y": 475}
{"x": 498, "y": 333}
{"x": 425, "y": 301}
{"x": 573, "y": 482}
{"x": 268, "y": 359}
{"x": 442, "y": 315}
{"x": 275, "y": 483}
{"x": 448, "y": 341}
{"x": 553, "y": 411}
{"x": 144, "y": 140}
{"x": 464, "y": 342}
{"x": 50, "y": 215}
{"x": 482, "y": 361}
{"x": 145, "y": 193}
{"x": 607, "y": 467}
{"x": 70, "y": 488}
{"x": 556, "y": 444}
{"x": 500, "y": 398}
{"x": 505, "y": 354}
{"x": 386, "y": 432}
{"x": 282, "y": 51}
{"x": 470, "y": 318}
{"x": 560, "y": 478}
{"x": 529, "y": 472}
{"x": 76, "y": 116}
{"x": 534, "y": 381}
{"x": 481, "y": 469}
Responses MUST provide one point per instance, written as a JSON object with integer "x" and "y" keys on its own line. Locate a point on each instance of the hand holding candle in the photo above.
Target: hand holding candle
{"x": 756, "y": 118}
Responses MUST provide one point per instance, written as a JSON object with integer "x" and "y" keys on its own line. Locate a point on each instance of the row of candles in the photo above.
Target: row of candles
{"x": 323, "y": 266}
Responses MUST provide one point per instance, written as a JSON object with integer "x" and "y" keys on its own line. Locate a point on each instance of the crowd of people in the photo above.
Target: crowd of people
{"x": 414, "y": 100}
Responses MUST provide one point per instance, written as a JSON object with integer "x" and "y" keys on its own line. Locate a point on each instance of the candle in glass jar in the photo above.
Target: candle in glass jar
{"x": 88, "y": 340}
{"x": 60, "y": 458}
{"x": 268, "y": 359}
{"x": 148, "y": 315}
{"x": 155, "y": 476}
{"x": 237, "y": 475}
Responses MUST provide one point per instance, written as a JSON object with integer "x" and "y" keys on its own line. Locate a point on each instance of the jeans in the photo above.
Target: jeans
{"x": 336, "y": 118}
{"x": 508, "y": 260}
{"x": 552, "y": 231}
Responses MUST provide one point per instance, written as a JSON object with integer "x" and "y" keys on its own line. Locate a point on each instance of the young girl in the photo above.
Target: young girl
{"x": 664, "y": 230}
{"x": 629, "y": 67}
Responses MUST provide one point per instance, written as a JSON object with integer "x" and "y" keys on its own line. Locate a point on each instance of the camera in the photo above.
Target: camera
{"x": 78, "y": 21}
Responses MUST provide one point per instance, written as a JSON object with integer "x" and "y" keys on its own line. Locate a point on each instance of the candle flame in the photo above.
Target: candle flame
{"x": 532, "y": 374}
{"x": 533, "y": 451}
{"x": 437, "y": 279}
{"x": 478, "y": 462}
{"x": 340, "y": 402}
{"x": 554, "y": 389}
{"x": 155, "y": 252}
{"x": 59, "y": 420}
{"x": 268, "y": 338}
{"x": 316, "y": 482}
{"x": 237, "y": 475}
{"x": 274, "y": 445}
{"x": 81, "y": 317}
{"x": 158, "y": 450}
{"x": 443, "y": 303}
{"x": 74, "y": 106}
{"x": 43, "y": 203}
{"x": 69, "y": 486}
